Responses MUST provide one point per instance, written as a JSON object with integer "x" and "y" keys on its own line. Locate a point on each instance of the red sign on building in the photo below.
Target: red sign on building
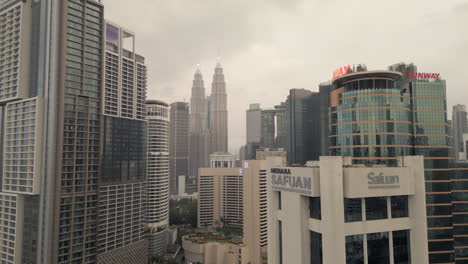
{"x": 423, "y": 75}
{"x": 341, "y": 71}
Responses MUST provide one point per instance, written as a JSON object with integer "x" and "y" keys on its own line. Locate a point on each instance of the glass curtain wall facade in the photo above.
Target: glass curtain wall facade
{"x": 302, "y": 131}
{"x": 370, "y": 119}
{"x": 430, "y": 126}
{"x": 459, "y": 185}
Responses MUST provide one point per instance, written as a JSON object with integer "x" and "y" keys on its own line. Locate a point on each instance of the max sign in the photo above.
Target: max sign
{"x": 381, "y": 181}
{"x": 423, "y": 75}
{"x": 282, "y": 180}
{"x": 341, "y": 71}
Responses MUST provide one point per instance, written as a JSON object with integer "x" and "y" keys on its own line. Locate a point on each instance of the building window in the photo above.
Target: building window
{"x": 399, "y": 206}
{"x": 376, "y": 208}
{"x": 377, "y": 248}
{"x": 279, "y": 200}
{"x": 355, "y": 249}
{"x": 352, "y": 210}
{"x": 316, "y": 248}
{"x": 314, "y": 208}
{"x": 280, "y": 241}
{"x": 401, "y": 247}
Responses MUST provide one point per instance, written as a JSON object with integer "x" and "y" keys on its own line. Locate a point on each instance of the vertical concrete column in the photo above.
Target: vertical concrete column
{"x": 417, "y": 209}
{"x": 332, "y": 203}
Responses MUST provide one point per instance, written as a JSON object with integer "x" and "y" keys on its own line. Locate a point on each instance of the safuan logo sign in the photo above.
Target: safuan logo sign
{"x": 381, "y": 181}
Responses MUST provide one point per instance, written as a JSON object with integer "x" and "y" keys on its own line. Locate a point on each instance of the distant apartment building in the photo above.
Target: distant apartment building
{"x": 220, "y": 197}
{"x": 336, "y": 212}
{"x": 179, "y": 148}
{"x": 157, "y": 183}
{"x": 237, "y": 197}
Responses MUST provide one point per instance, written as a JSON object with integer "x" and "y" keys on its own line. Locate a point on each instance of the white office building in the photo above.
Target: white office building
{"x": 336, "y": 212}
{"x": 157, "y": 114}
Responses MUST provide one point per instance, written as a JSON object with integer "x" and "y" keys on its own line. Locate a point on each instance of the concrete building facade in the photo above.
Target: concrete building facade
{"x": 263, "y": 154}
{"x": 255, "y": 222}
{"x": 337, "y": 212}
{"x": 222, "y": 160}
{"x": 214, "y": 251}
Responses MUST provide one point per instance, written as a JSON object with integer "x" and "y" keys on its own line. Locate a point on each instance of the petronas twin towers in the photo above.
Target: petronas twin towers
{"x": 208, "y": 120}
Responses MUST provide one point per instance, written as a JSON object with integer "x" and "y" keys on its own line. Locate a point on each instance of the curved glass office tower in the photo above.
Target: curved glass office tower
{"x": 370, "y": 118}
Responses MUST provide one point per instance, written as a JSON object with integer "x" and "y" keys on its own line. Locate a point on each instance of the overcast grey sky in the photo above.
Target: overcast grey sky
{"x": 270, "y": 46}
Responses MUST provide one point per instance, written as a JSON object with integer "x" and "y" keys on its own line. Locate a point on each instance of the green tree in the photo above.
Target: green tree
{"x": 183, "y": 212}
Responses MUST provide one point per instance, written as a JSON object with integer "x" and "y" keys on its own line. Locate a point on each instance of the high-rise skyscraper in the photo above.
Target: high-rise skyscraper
{"x": 218, "y": 112}
{"x": 122, "y": 181}
{"x": 52, "y": 80}
{"x": 73, "y": 142}
{"x": 376, "y": 116}
{"x": 157, "y": 191}
{"x": 199, "y": 133}
{"x": 69, "y": 221}
{"x": 178, "y": 144}
{"x": 460, "y": 126}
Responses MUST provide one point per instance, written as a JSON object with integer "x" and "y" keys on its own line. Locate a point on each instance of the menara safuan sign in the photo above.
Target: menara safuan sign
{"x": 282, "y": 180}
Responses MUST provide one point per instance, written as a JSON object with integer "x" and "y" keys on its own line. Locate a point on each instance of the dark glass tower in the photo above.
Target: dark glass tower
{"x": 178, "y": 144}
{"x": 460, "y": 126}
{"x": 430, "y": 135}
{"x": 302, "y": 129}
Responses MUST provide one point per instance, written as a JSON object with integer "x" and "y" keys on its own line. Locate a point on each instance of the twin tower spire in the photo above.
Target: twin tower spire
{"x": 208, "y": 120}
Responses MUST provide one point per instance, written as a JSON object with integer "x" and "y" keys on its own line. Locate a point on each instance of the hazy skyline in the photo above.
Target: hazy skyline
{"x": 269, "y": 47}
